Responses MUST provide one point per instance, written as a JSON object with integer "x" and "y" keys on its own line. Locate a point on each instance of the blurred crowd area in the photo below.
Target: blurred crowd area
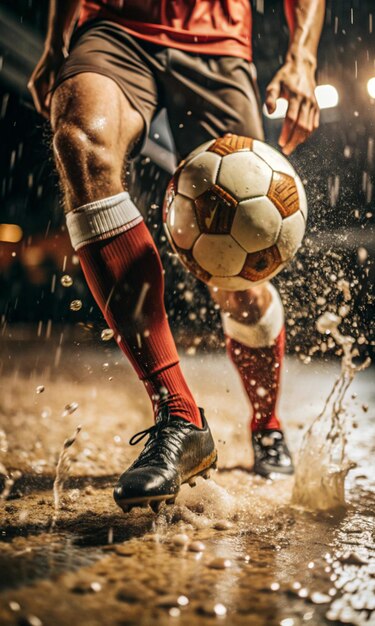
{"x": 336, "y": 166}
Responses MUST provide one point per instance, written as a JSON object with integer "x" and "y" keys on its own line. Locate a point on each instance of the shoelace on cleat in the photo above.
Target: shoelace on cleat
{"x": 164, "y": 441}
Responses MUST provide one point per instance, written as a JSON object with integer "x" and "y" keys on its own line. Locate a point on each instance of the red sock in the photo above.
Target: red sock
{"x": 259, "y": 369}
{"x": 125, "y": 276}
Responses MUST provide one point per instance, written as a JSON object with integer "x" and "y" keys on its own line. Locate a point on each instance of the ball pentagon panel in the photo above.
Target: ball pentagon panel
{"x": 220, "y": 255}
{"x": 256, "y": 224}
{"x": 244, "y": 175}
{"x": 261, "y": 265}
{"x": 215, "y": 211}
{"x": 283, "y": 193}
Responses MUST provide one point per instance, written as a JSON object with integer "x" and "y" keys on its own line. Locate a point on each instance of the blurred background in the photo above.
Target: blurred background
{"x": 337, "y": 167}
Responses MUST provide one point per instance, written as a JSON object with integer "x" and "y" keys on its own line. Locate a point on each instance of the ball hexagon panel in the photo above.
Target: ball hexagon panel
{"x": 273, "y": 158}
{"x": 220, "y": 255}
{"x": 215, "y": 211}
{"x": 261, "y": 265}
{"x": 181, "y": 222}
{"x": 302, "y": 197}
{"x": 198, "y": 174}
{"x": 283, "y": 193}
{"x": 256, "y": 224}
{"x": 244, "y": 175}
{"x": 291, "y": 235}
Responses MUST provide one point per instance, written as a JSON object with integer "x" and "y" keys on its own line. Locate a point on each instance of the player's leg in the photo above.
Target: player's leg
{"x": 94, "y": 128}
{"x": 253, "y": 323}
{"x": 97, "y": 117}
{"x": 226, "y": 100}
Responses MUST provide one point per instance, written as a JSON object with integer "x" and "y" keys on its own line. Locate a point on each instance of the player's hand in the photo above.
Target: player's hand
{"x": 43, "y": 78}
{"x": 295, "y": 81}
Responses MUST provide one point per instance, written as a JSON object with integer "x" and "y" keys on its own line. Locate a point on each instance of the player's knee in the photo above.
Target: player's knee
{"x": 83, "y": 150}
{"x": 245, "y": 306}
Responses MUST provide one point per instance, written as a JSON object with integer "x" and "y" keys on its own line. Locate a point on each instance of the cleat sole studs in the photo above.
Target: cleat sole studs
{"x": 206, "y": 475}
{"x": 156, "y": 505}
{"x": 192, "y": 482}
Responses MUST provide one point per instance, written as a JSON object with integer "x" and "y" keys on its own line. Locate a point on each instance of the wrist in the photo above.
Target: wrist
{"x": 300, "y": 54}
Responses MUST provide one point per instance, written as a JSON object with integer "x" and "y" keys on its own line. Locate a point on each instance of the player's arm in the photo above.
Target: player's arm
{"x": 60, "y": 22}
{"x": 295, "y": 80}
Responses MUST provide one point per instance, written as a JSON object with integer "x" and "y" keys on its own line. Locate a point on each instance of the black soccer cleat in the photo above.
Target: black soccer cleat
{"x": 176, "y": 452}
{"x": 271, "y": 454}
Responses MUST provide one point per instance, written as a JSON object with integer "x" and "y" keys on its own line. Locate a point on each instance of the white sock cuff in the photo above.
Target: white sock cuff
{"x": 102, "y": 219}
{"x": 264, "y": 332}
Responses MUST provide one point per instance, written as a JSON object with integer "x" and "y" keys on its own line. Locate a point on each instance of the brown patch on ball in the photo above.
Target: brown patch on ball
{"x": 215, "y": 210}
{"x": 231, "y": 143}
{"x": 259, "y": 265}
{"x": 283, "y": 193}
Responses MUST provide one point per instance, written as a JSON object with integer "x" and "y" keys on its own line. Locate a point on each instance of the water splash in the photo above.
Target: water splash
{"x": 323, "y": 464}
{"x": 62, "y": 472}
{"x": 8, "y": 478}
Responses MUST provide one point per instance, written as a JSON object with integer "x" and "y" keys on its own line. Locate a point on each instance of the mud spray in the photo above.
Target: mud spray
{"x": 323, "y": 463}
{"x": 62, "y": 472}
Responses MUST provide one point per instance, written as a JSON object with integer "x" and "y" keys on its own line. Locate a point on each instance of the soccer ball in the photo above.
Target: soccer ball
{"x": 235, "y": 212}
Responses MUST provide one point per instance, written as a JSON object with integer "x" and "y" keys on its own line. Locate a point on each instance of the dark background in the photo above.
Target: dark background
{"x": 337, "y": 167}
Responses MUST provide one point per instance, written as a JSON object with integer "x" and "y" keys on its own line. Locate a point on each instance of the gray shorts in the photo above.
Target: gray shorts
{"x": 205, "y": 96}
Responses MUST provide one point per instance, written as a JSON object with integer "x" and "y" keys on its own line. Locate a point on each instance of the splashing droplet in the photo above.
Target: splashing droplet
{"x": 66, "y": 280}
{"x": 107, "y": 334}
{"x": 75, "y": 305}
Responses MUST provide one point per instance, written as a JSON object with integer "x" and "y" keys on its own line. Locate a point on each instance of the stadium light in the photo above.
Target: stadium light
{"x": 10, "y": 233}
{"x": 371, "y": 87}
{"x": 326, "y": 95}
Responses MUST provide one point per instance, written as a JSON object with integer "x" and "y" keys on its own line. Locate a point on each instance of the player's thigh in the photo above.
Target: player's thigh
{"x": 213, "y": 96}
{"x": 89, "y": 110}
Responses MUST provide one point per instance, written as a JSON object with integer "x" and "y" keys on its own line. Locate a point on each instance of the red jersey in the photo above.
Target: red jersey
{"x": 221, "y": 27}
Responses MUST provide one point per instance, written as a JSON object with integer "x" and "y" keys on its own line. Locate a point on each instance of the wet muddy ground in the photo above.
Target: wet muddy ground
{"x": 231, "y": 550}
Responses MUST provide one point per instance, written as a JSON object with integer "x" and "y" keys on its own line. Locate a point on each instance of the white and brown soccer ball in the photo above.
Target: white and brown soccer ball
{"x": 235, "y": 212}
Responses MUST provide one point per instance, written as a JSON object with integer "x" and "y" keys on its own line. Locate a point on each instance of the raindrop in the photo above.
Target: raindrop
{"x": 220, "y": 563}
{"x": 220, "y": 609}
{"x": 70, "y": 408}
{"x": 40, "y": 389}
{"x": 66, "y": 280}
{"x": 180, "y": 539}
{"x": 107, "y": 334}
{"x": 75, "y": 305}
{"x": 223, "y": 525}
{"x": 174, "y": 611}
{"x": 196, "y": 546}
{"x": 319, "y": 598}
